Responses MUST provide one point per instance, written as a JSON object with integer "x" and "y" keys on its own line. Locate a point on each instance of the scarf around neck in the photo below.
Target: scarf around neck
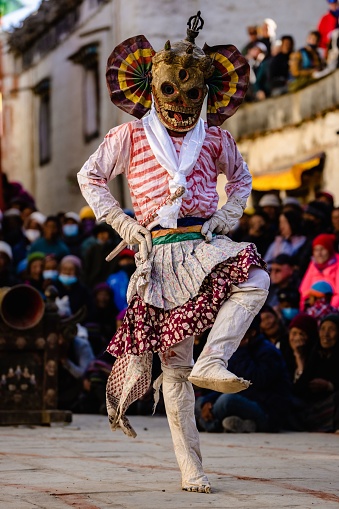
{"x": 177, "y": 166}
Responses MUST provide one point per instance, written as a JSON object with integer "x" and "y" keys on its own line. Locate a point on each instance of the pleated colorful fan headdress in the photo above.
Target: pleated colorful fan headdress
{"x": 177, "y": 78}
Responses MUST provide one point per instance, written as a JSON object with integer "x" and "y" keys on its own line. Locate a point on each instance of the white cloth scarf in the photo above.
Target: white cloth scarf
{"x": 178, "y": 166}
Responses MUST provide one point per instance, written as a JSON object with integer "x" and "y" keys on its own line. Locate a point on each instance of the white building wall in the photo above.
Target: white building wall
{"x": 54, "y": 184}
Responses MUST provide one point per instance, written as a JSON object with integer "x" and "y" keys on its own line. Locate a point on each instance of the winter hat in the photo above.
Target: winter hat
{"x": 269, "y": 200}
{"x": 290, "y": 200}
{"x": 127, "y": 253}
{"x": 326, "y": 240}
{"x": 102, "y": 287}
{"x": 72, "y": 215}
{"x": 6, "y": 248}
{"x": 333, "y": 317}
{"x": 36, "y": 255}
{"x": 320, "y": 289}
{"x": 306, "y": 323}
{"x": 86, "y": 213}
{"x": 284, "y": 259}
{"x": 38, "y": 217}
{"x": 74, "y": 259}
{"x": 325, "y": 194}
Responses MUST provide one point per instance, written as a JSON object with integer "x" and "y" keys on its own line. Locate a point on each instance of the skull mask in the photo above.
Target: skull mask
{"x": 177, "y": 79}
{"x": 179, "y": 74}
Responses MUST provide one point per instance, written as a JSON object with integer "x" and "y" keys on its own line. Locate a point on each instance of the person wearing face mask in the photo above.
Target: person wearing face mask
{"x": 288, "y": 304}
{"x": 33, "y": 226}
{"x": 69, "y": 283}
{"x": 324, "y": 266}
{"x": 119, "y": 281}
{"x": 34, "y": 271}
{"x": 50, "y": 241}
{"x": 72, "y": 234}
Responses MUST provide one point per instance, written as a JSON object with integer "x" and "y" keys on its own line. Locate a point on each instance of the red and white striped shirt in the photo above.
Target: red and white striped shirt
{"x": 126, "y": 150}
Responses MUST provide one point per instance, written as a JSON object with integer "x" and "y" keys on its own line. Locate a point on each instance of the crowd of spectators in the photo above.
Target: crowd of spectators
{"x": 278, "y": 67}
{"x": 290, "y": 353}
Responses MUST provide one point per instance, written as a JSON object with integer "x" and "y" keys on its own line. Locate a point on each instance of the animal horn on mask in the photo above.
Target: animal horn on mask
{"x": 224, "y": 76}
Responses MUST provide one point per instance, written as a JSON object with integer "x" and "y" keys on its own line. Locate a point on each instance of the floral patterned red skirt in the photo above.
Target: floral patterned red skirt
{"x": 146, "y": 328}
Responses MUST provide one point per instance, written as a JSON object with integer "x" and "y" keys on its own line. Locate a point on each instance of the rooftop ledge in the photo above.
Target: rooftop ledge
{"x": 255, "y": 119}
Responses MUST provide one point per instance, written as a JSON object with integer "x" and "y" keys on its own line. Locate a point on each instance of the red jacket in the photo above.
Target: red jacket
{"x": 326, "y": 24}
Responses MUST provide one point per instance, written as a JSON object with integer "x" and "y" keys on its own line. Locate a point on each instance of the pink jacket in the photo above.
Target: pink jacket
{"x": 312, "y": 275}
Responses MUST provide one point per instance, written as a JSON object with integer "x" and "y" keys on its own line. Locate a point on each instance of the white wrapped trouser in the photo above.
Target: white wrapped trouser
{"x": 231, "y": 324}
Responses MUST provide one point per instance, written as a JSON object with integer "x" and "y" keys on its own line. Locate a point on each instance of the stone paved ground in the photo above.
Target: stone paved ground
{"x": 85, "y": 466}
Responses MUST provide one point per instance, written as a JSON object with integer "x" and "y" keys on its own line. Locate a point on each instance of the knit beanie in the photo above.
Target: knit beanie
{"x": 333, "y": 317}
{"x": 306, "y": 323}
{"x": 327, "y": 240}
{"x": 73, "y": 259}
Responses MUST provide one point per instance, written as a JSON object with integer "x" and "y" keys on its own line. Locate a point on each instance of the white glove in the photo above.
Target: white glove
{"x": 130, "y": 230}
{"x": 64, "y": 307}
{"x": 224, "y": 219}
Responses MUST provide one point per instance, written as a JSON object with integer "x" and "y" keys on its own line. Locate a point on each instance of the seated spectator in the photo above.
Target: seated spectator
{"x": 288, "y": 304}
{"x": 302, "y": 336}
{"x": 241, "y": 229}
{"x": 272, "y": 327}
{"x": 75, "y": 357}
{"x": 33, "y": 226}
{"x": 290, "y": 203}
{"x": 327, "y": 23}
{"x": 318, "y": 385}
{"x": 7, "y": 277}
{"x": 50, "y": 242}
{"x": 96, "y": 269}
{"x": 278, "y": 68}
{"x": 325, "y": 197}
{"x": 316, "y": 220}
{"x": 35, "y": 267}
{"x": 270, "y": 204}
{"x": 101, "y": 323}
{"x": 253, "y": 38}
{"x": 268, "y": 34}
{"x": 318, "y": 301}
{"x": 305, "y": 62}
{"x": 119, "y": 281}
{"x": 256, "y": 56}
{"x": 70, "y": 285}
{"x": 15, "y": 190}
{"x": 324, "y": 266}
{"x": 88, "y": 220}
{"x": 13, "y": 234}
{"x": 335, "y": 226}
{"x": 333, "y": 51}
{"x": 72, "y": 234}
{"x": 283, "y": 276}
{"x": 50, "y": 272}
{"x": 290, "y": 239}
{"x": 258, "y": 231}
{"x": 264, "y": 405}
